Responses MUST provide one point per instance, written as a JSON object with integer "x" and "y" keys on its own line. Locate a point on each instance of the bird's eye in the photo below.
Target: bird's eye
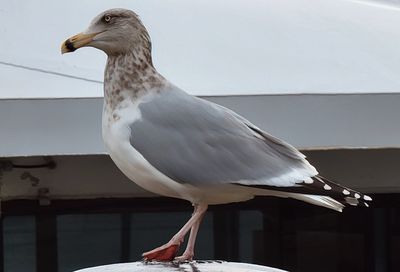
{"x": 107, "y": 18}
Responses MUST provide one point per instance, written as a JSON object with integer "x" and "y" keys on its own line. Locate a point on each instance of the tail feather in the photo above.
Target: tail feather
{"x": 323, "y": 201}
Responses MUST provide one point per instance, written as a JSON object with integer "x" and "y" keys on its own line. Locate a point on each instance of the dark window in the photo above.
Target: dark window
{"x": 74, "y": 234}
{"x": 19, "y": 250}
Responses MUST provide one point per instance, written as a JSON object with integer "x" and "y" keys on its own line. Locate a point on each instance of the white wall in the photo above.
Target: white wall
{"x": 212, "y": 47}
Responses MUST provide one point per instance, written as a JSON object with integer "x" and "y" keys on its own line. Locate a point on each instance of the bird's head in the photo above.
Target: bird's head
{"x": 114, "y": 31}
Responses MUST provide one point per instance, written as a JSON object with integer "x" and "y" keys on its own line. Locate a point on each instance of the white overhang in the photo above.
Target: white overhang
{"x": 212, "y": 47}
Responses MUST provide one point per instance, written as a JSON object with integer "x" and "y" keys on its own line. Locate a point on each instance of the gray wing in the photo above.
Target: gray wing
{"x": 198, "y": 142}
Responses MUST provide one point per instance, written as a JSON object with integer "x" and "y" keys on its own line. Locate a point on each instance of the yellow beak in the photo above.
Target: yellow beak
{"x": 77, "y": 41}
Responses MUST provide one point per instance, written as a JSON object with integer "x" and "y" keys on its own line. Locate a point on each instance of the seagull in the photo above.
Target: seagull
{"x": 177, "y": 145}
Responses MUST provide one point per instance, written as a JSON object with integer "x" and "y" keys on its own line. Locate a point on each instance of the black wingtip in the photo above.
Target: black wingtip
{"x": 340, "y": 193}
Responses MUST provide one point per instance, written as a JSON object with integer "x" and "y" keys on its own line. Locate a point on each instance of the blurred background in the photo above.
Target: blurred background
{"x": 320, "y": 74}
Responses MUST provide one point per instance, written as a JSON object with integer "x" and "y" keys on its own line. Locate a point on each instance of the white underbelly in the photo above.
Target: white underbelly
{"x": 137, "y": 169}
{"x": 116, "y": 135}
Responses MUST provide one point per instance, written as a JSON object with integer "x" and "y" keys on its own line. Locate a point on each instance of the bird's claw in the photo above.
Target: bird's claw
{"x": 185, "y": 257}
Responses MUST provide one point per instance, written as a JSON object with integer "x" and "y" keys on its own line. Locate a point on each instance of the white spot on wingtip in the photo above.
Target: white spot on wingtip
{"x": 367, "y": 198}
{"x": 308, "y": 181}
{"x": 366, "y": 204}
{"x": 346, "y": 192}
{"x": 327, "y": 187}
{"x": 357, "y": 196}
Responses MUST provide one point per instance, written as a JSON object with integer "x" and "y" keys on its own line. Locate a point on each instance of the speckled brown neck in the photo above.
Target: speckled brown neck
{"x": 128, "y": 76}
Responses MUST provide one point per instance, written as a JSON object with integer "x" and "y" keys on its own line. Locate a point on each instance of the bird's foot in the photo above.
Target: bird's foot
{"x": 185, "y": 257}
{"x": 163, "y": 253}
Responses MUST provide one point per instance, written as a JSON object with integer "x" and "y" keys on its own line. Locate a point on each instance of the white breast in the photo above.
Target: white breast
{"x": 116, "y": 135}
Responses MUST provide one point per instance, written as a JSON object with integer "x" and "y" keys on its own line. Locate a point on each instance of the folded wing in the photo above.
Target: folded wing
{"x": 197, "y": 142}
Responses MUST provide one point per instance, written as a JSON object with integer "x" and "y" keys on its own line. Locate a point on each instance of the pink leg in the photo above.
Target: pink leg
{"x": 189, "y": 251}
{"x": 168, "y": 251}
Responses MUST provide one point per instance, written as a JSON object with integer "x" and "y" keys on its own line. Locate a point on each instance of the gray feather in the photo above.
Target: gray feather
{"x": 197, "y": 142}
